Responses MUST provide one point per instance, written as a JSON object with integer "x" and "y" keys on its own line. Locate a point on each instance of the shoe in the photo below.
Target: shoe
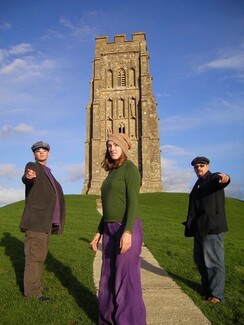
{"x": 212, "y": 300}
{"x": 43, "y": 298}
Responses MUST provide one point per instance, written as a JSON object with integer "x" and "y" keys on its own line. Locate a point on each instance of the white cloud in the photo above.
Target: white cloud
{"x": 82, "y": 29}
{"x": 21, "y": 49}
{"x": 69, "y": 173}
{"x": 8, "y": 174}
{"x": 20, "y": 128}
{"x": 27, "y": 67}
{"x": 74, "y": 172}
{"x": 230, "y": 61}
{"x": 235, "y": 190}
{"x": 172, "y": 150}
{"x": 176, "y": 178}
{"x": 10, "y": 195}
{"x": 165, "y": 95}
{"x": 9, "y": 171}
{"x": 16, "y": 64}
{"x": 226, "y": 110}
{"x": 223, "y": 111}
{"x": 234, "y": 62}
{"x": 5, "y": 26}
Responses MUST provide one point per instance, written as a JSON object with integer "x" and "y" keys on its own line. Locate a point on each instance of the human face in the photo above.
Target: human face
{"x": 201, "y": 169}
{"x": 41, "y": 155}
{"x": 114, "y": 150}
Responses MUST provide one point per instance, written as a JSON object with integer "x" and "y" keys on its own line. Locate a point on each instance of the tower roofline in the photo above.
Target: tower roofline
{"x": 121, "y": 38}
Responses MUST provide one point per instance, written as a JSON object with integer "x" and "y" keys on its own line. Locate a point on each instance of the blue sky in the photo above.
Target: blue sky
{"x": 196, "y": 53}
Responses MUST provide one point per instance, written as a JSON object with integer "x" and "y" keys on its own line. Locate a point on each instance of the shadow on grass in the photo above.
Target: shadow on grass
{"x": 85, "y": 240}
{"x": 84, "y": 298}
{"x": 14, "y": 248}
{"x": 191, "y": 284}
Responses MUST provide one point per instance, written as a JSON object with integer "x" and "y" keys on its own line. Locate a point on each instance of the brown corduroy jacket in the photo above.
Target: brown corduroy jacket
{"x": 40, "y": 201}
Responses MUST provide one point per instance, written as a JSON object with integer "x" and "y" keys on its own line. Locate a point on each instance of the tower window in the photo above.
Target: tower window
{"x": 121, "y": 78}
{"x": 121, "y": 128}
{"x": 109, "y": 79}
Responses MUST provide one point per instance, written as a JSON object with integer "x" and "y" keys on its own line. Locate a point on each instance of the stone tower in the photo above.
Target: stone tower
{"x": 122, "y": 101}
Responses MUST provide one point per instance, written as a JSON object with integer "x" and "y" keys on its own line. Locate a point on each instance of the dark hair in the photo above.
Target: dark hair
{"x": 109, "y": 164}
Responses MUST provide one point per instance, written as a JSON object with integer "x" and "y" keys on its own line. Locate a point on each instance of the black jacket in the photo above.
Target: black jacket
{"x": 206, "y": 211}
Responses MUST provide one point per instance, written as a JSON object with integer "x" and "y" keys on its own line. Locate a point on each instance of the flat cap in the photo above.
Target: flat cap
{"x": 200, "y": 160}
{"x": 40, "y": 144}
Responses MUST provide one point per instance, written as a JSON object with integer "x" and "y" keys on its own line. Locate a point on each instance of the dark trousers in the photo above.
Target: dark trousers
{"x": 36, "y": 249}
{"x": 120, "y": 293}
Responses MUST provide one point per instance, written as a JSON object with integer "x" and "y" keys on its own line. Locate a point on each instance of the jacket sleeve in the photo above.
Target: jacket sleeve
{"x": 212, "y": 185}
{"x": 28, "y": 182}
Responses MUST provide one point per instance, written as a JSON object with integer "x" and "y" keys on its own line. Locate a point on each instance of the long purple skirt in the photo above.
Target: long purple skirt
{"x": 120, "y": 293}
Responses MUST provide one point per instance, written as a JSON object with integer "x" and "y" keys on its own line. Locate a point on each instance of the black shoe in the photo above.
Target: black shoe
{"x": 43, "y": 298}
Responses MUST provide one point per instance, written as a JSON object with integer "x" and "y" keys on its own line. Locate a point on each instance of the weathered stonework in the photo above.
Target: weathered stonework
{"x": 122, "y": 100}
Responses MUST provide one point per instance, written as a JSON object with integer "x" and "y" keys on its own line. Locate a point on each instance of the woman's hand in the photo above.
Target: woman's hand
{"x": 125, "y": 241}
{"x": 94, "y": 243}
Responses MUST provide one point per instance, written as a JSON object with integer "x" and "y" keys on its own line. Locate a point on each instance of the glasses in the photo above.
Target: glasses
{"x": 40, "y": 150}
{"x": 199, "y": 165}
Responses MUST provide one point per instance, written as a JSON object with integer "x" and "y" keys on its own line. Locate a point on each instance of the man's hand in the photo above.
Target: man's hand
{"x": 223, "y": 178}
{"x": 30, "y": 174}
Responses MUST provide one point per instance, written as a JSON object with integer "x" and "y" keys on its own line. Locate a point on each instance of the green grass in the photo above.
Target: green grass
{"x": 68, "y": 274}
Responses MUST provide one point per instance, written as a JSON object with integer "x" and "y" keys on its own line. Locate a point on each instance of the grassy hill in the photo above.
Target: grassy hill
{"x": 68, "y": 274}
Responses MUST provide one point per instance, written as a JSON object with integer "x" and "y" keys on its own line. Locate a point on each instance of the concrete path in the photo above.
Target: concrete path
{"x": 165, "y": 302}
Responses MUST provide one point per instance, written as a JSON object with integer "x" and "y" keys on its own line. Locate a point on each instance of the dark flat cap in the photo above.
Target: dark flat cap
{"x": 200, "y": 160}
{"x": 40, "y": 144}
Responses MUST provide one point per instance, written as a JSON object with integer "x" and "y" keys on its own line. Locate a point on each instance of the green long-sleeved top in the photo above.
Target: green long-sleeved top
{"x": 120, "y": 192}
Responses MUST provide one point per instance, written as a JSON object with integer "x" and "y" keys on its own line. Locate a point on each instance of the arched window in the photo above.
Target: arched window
{"x": 121, "y": 128}
{"x": 121, "y": 78}
{"x": 121, "y": 107}
{"x": 109, "y": 108}
{"x": 109, "y": 79}
{"x": 132, "y": 80}
{"x": 133, "y": 107}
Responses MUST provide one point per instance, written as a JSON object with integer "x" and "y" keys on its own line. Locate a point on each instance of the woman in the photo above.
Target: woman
{"x": 120, "y": 294}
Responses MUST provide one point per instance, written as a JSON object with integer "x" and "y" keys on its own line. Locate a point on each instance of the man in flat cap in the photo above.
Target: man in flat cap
{"x": 44, "y": 213}
{"x": 206, "y": 222}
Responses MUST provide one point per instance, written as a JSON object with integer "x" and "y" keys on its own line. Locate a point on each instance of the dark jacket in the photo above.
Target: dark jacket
{"x": 207, "y": 206}
{"x": 40, "y": 201}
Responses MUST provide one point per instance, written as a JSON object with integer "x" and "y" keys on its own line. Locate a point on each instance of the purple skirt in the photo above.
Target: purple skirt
{"x": 120, "y": 293}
